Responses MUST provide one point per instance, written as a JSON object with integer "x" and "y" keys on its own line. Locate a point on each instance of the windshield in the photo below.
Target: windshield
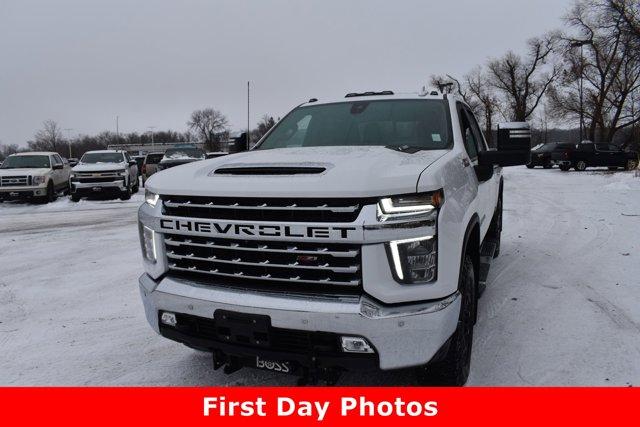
{"x": 102, "y": 158}
{"x": 417, "y": 123}
{"x": 183, "y": 153}
{"x": 27, "y": 162}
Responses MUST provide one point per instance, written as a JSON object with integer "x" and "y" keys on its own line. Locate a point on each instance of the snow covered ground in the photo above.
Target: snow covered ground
{"x": 562, "y": 305}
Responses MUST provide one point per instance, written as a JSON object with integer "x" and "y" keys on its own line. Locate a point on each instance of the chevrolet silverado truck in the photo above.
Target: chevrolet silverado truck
{"x": 35, "y": 176}
{"x": 104, "y": 172}
{"x": 356, "y": 235}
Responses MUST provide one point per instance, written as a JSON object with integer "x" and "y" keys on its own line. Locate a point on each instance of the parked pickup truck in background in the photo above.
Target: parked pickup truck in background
{"x": 356, "y": 235}
{"x": 180, "y": 156}
{"x": 589, "y": 154}
{"x": 103, "y": 172}
{"x": 33, "y": 175}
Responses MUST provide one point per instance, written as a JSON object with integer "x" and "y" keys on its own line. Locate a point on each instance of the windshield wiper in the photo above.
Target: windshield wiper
{"x": 409, "y": 149}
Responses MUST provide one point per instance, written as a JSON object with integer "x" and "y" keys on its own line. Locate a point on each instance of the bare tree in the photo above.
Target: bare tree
{"x": 7, "y": 150}
{"x": 265, "y": 123}
{"x": 208, "y": 124}
{"x": 476, "y": 92}
{"x": 629, "y": 13}
{"x": 484, "y": 101}
{"x": 607, "y": 67}
{"x": 49, "y": 138}
{"x": 523, "y": 81}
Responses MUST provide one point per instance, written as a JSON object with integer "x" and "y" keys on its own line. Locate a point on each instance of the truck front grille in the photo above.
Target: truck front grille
{"x": 265, "y": 264}
{"x": 263, "y": 209}
{"x": 97, "y": 179}
{"x": 15, "y": 181}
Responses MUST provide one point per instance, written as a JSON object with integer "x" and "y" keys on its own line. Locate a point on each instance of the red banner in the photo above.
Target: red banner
{"x": 161, "y": 407}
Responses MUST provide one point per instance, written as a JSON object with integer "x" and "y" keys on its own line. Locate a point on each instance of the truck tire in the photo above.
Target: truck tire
{"x": 453, "y": 369}
{"x": 75, "y": 198}
{"x": 51, "y": 194}
{"x": 126, "y": 194}
{"x": 631, "y": 165}
{"x": 136, "y": 188}
{"x": 496, "y": 226}
{"x": 530, "y": 166}
{"x": 565, "y": 168}
{"x": 581, "y": 165}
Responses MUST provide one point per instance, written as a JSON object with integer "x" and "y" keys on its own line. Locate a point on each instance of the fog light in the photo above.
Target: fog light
{"x": 355, "y": 345}
{"x": 169, "y": 319}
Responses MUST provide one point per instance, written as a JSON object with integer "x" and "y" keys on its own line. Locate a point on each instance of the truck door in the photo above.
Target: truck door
{"x": 488, "y": 190}
{"x": 617, "y": 156}
{"x": 601, "y": 155}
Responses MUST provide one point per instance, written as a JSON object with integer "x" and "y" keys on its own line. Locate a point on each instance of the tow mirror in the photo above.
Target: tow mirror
{"x": 132, "y": 163}
{"x": 514, "y": 146}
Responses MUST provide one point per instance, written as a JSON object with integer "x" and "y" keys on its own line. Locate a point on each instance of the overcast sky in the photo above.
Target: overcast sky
{"x": 84, "y": 62}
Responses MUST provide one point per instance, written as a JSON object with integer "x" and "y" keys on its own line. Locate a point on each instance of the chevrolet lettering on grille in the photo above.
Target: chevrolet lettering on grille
{"x": 263, "y": 230}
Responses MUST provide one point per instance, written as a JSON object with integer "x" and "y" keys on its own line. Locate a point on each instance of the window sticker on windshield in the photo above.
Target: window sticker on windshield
{"x": 435, "y": 137}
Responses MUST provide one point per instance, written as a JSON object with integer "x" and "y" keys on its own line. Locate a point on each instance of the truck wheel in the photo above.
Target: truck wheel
{"x": 631, "y": 165}
{"x": 136, "y": 188}
{"x": 581, "y": 165}
{"x": 75, "y": 198}
{"x": 126, "y": 194}
{"x": 453, "y": 369}
{"x": 497, "y": 227}
{"x": 530, "y": 166}
{"x": 564, "y": 168}
{"x": 51, "y": 194}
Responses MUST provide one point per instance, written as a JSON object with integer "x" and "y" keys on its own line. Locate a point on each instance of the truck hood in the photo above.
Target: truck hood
{"x": 24, "y": 171}
{"x": 98, "y": 167}
{"x": 348, "y": 172}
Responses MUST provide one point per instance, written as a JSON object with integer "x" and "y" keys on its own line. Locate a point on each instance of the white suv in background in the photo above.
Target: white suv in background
{"x": 33, "y": 175}
{"x": 104, "y": 171}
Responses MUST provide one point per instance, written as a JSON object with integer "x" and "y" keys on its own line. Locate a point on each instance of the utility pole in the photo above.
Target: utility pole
{"x": 69, "y": 139}
{"x": 248, "y": 110}
{"x": 118, "y": 128}
{"x": 152, "y": 128}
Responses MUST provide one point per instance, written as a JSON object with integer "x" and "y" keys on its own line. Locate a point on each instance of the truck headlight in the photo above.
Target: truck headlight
{"x": 38, "y": 180}
{"x": 122, "y": 172}
{"x": 148, "y": 241}
{"x": 415, "y": 260}
{"x": 151, "y": 198}
{"x": 422, "y": 205}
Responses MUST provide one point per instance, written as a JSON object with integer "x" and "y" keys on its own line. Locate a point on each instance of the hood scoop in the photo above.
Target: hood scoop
{"x": 269, "y": 170}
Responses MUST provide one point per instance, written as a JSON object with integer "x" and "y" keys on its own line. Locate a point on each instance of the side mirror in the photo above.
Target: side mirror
{"x": 57, "y": 167}
{"x": 483, "y": 172}
{"x": 514, "y": 146}
{"x": 132, "y": 163}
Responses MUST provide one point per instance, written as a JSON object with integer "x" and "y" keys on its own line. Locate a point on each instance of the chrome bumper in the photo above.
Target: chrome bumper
{"x": 402, "y": 335}
{"x": 119, "y": 184}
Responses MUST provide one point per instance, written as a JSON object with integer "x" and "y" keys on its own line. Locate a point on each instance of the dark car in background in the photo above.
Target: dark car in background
{"x": 542, "y": 154}
{"x": 150, "y": 165}
{"x": 180, "y": 156}
{"x": 589, "y": 154}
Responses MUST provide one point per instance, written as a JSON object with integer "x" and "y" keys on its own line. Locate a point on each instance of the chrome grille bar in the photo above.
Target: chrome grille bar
{"x": 263, "y": 247}
{"x": 264, "y": 206}
{"x": 266, "y": 277}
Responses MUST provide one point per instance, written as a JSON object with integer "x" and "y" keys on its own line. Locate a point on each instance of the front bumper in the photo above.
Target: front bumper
{"x": 94, "y": 187}
{"x": 402, "y": 335}
{"x": 15, "y": 193}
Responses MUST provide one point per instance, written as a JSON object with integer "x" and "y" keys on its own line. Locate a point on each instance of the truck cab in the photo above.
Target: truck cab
{"x": 357, "y": 234}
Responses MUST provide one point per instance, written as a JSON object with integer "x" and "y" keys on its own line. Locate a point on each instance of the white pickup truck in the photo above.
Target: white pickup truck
{"x": 356, "y": 235}
{"x": 103, "y": 172}
{"x": 33, "y": 176}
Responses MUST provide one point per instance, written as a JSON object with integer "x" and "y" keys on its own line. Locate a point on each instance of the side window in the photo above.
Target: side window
{"x": 475, "y": 128}
{"x": 56, "y": 160}
{"x": 470, "y": 141}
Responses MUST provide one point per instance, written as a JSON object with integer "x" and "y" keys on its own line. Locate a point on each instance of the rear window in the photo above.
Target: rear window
{"x": 153, "y": 158}
{"x": 417, "y": 123}
{"x": 183, "y": 153}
